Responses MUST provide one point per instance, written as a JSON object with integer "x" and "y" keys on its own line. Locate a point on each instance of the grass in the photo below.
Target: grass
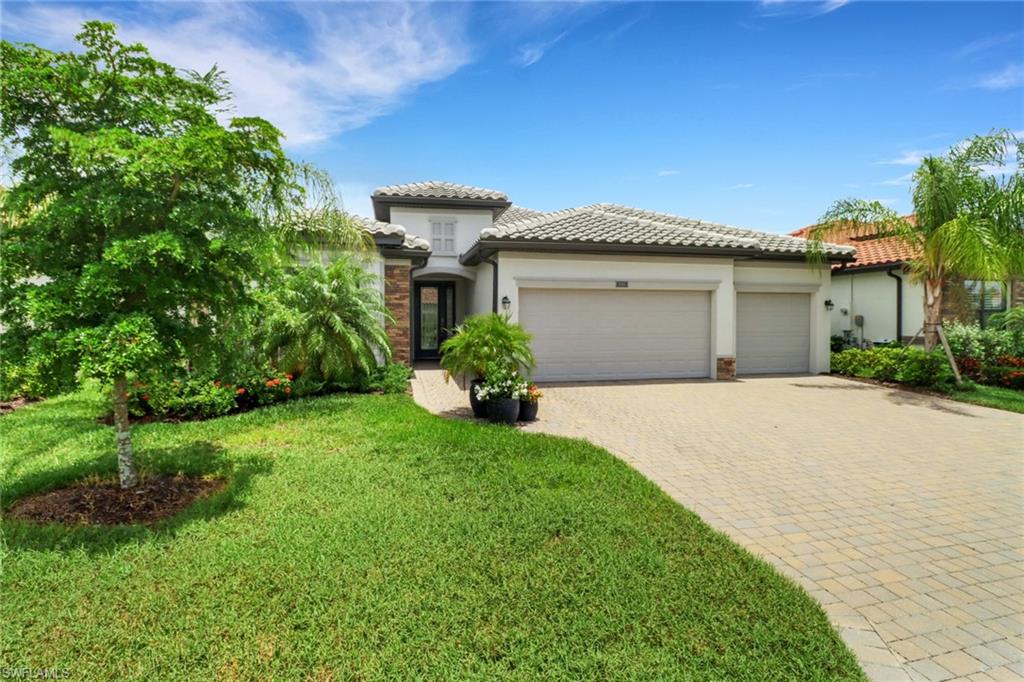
{"x": 991, "y": 396}
{"x": 361, "y": 537}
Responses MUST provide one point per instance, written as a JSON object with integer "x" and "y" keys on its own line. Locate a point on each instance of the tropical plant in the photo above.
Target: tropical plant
{"x": 328, "y": 322}
{"x": 483, "y": 339}
{"x": 968, "y": 219}
{"x": 1011, "y": 320}
{"x": 138, "y": 222}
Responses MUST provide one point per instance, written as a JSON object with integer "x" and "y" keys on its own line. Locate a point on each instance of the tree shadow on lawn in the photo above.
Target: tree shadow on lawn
{"x": 199, "y": 459}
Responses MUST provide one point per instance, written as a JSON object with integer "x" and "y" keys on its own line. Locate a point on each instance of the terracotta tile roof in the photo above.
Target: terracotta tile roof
{"x": 871, "y": 251}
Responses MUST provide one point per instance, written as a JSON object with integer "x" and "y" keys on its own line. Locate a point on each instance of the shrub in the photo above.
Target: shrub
{"x": 201, "y": 396}
{"x": 904, "y": 365}
{"x": 389, "y": 378}
{"x": 837, "y": 342}
{"x": 983, "y": 345}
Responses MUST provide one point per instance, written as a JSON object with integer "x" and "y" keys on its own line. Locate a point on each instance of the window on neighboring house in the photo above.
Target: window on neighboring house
{"x": 442, "y": 236}
{"x": 986, "y": 298}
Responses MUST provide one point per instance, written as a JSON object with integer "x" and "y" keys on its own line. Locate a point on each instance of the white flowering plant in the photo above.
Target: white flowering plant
{"x": 501, "y": 382}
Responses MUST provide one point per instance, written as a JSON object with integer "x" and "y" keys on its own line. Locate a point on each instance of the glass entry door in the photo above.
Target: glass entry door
{"x": 435, "y": 316}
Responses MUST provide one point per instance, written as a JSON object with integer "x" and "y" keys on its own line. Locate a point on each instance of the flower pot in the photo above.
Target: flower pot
{"x": 479, "y": 406}
{"x": 528, "y": 410}
{"x": 503, "y": 410}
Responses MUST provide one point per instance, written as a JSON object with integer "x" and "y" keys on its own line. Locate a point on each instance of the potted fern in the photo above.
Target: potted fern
{"x": 483, "y": 339}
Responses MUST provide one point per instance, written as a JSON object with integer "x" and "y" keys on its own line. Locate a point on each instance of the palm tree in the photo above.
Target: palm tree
{"x": 968, "y": 219}
{"x": 328, "y": 321}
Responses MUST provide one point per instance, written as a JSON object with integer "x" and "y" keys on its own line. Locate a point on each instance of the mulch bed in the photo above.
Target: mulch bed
{"x": 104, "y": 503}
{"x": 7, "y": 406}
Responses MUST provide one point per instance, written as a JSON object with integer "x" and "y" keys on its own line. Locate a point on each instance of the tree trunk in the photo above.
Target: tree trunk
{"x": 932, "y": 312}
{"x": 125, "y": 456}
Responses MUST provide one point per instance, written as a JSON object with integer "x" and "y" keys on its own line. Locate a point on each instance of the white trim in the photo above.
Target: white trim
{"x": 602, "y": 283}
{"x": 776, "y": 288}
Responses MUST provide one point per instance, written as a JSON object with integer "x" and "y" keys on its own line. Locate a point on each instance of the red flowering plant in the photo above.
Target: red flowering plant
{"x": 264, "y": 388}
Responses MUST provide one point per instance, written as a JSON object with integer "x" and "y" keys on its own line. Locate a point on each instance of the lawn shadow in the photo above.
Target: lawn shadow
{"x": 199, "y": 458}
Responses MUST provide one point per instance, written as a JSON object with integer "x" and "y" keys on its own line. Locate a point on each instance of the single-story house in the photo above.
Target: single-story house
{"x": 874, "y": 297}
{"x": 608, "y": 292}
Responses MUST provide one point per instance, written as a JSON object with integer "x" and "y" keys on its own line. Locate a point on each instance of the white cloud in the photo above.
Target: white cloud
{"x": 901, "y": 180}
{"x": 1007, "y": 79}
{"x": 786, "y": 7}
{"x": 666, "y": 173}
{"x": 908, "y": 158}
{"x": 532, "y": 53}
{"x": 742, "y": 185}
{"x": 984, "y": 44}
{"x": 351, "y": 65}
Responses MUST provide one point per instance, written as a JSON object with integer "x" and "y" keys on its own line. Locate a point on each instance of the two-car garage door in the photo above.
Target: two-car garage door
{"x": 597, "y": 334}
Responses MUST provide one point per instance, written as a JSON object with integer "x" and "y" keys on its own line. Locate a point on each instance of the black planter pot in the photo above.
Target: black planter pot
{"x": 479, "y": 407}
{"x": 528, "y": 410}
{"x": 503, "y": 410}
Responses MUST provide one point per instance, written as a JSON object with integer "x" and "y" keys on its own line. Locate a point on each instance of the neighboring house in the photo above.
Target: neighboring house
{"x": 608, "y": 292}
{"x": 874, "y": 298}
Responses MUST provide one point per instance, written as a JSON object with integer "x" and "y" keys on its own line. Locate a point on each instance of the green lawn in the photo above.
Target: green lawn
{"x": 991, "y": 396}
{"x": 362, "y": 538}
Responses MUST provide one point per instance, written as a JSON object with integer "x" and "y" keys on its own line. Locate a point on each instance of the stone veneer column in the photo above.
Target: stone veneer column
{"x": 1017, "y": 292}
{"x": 725, "y": 368}
{"x": 398, "y": 299}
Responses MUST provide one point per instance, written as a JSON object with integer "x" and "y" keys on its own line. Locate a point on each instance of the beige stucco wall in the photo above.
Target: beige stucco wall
{"x": 873, "y": 295}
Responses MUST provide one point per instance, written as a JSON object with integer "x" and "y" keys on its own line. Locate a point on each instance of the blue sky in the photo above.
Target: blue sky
{"x": 753, "y": 114}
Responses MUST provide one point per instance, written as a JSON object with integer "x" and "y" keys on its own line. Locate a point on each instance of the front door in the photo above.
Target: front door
{"x": 434, "y": 317}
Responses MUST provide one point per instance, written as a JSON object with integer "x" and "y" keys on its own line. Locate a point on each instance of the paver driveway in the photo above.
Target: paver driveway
{"x": 901, "y": 513}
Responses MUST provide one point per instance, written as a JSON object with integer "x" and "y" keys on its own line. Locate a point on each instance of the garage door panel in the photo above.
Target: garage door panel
{"x": 594, "y": 334}
{"x": 773, "y": 333}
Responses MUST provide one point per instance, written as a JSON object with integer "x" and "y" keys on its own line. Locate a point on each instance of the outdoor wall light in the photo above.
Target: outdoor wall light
{"x": 505, "y": 303}
{"x": 829, "y": 305}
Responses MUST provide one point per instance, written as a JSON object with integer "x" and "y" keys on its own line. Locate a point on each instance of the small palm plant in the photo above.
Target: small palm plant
{"x": 968, "y": 219}
{"x": 328, "y": 321}
{"x": 483, "y": 339}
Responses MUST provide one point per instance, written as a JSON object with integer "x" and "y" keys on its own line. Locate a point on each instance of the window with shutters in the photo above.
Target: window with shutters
{"x": 985, "y": 298}
{"x": 442, "y": 236}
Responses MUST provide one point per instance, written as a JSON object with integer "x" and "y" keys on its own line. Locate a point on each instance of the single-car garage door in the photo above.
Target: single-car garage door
{"x": 595, "y": 334}
{"x": 773, "y": 333}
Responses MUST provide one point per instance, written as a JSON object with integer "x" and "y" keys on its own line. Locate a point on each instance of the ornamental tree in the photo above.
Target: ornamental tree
{"x": 968, "y": 219}
{"x": 137, "y": 219}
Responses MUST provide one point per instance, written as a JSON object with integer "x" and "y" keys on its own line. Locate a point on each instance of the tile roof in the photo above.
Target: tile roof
{"x": 871, "y": 251}
{"x": 437, "y": 189}
{"x": 612, "y": 224}
{"x": 379, "y": 228}
{"x": 516, "y": 213}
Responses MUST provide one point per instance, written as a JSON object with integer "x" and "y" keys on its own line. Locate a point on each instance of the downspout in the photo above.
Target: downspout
{"x": 494, "y": 281}
{"x": 899, "y": 303}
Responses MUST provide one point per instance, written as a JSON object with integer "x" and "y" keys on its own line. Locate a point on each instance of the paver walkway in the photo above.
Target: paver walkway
{"x": 902, "y": 513}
